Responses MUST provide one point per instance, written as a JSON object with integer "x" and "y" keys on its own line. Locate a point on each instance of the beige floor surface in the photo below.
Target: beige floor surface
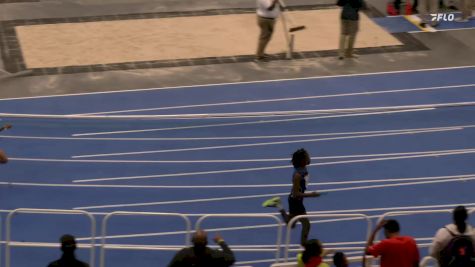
{"x": 105, "y": 42}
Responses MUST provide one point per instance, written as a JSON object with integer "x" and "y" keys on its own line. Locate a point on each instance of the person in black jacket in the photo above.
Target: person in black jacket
{"x": 200, "y": 255}
{"x": 349, "y": 26}
{"x": 68, "y": 259}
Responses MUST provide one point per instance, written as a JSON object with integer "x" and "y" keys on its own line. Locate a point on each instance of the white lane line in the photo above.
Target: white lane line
{"x": 263, "y": 143}
{"x": 446, "y": 30}
{"x": 387, "y": 209}
{"x": 223, "y": 137}
{"x": 367, "y": 181}
{"x": 244, "y": 102}
{"x": 240, "y": 83}
{"x": 247, "y": 123}
{"x": 265, "y": 195}
{"x": 231, "y": 160}
{"x": 241, "y": 115}
{"x": 269, "y": 168}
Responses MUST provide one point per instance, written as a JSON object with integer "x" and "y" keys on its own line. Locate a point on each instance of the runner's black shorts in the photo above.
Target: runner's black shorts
{"x": 296, "y": 206}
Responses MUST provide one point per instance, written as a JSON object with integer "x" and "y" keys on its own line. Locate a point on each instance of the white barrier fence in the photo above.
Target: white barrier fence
{"x": 273, "y": 217}
{"x": 104, "y": 246}
{"x": 336, "y": 215}
{"x": 9, "y": 243}
{"x": 188, "y": 231}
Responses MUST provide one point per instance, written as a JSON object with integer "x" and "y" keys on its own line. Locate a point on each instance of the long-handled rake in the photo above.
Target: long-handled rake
{"x": 290, "y": 38}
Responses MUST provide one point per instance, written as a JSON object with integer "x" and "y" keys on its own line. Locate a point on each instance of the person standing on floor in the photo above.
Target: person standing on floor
{"x": 267, "y": 13}
{"x": 426, "y": 8}
{"x": 300, "y": 178}
{"x": 349, "y": 26}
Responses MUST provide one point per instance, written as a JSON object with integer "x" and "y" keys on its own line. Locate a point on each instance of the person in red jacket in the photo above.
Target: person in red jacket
{"x": 395, "y": 250}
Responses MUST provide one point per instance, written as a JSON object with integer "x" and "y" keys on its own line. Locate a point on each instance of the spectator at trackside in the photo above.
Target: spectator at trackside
{"x": 312, "y": 256}
{"x": 200, "y": 255}
{"x": 267, "y": 13}
{"x": 339, "y": 260}
{"x": 68, "y": 259}
{"x": 426, "y": 8}
{"x": 395, "y": 250}
{"x": 457, "y": 235}
{"x": 349, "y": 26}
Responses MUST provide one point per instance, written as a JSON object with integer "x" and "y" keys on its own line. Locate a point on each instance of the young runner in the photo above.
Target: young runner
{"x": 300, "y": 178}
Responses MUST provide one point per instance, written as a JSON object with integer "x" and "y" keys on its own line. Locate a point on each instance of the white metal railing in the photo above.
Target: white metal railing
{"x": 126, "y": 213}
{"x": 341, "y": 215}
{"x": 249, "y": 215}
{"x": 411, "y": 212}
{"x": 426, "y": 260}
{"x": 9, "y": 243}
{"x": 1, "y": 230}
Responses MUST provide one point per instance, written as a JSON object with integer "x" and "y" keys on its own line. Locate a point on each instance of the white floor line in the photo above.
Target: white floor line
{"x": 268, "y": 168}
{"x": 247, "y": 123}
{"x": 243, "y": 115}
{"x": 446, "y": 30}
{"x": 263, "y": 195}
{"x": 249, "y": 82}
{"x": 187, "y": 187}
{"x": 224, "y": 138}
{"x": 261, "y": 144}
{"x": 231, "y": 160}
{"x": 246, "y": 102}
{"x": 228, "y": 161}
{"x": 249, "y": 114}
{"x": 388, "y": 209}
